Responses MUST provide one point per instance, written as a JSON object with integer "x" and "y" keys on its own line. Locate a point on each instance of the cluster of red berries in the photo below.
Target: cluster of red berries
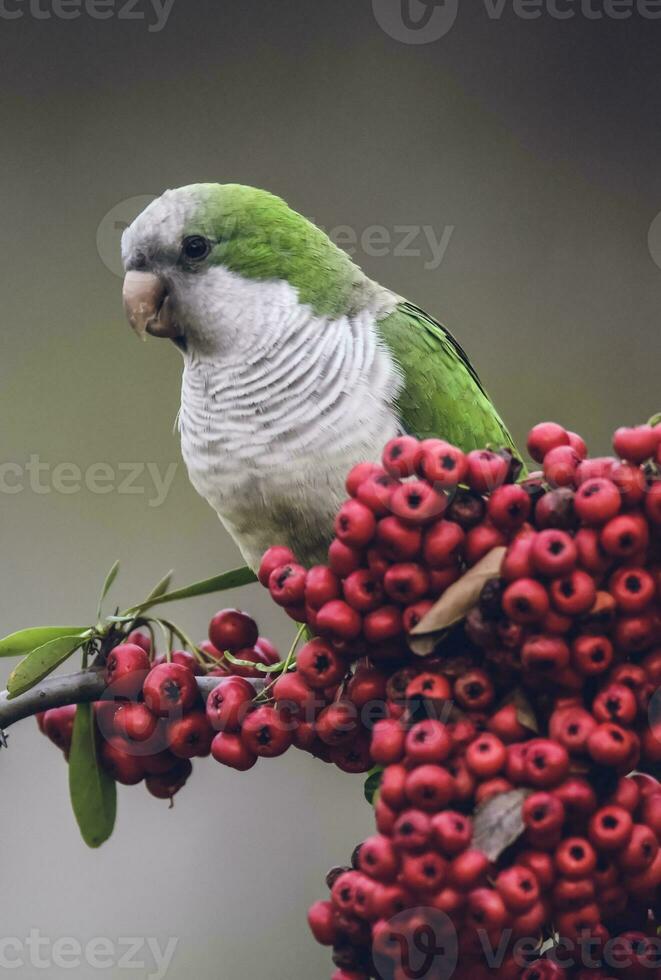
{"x": 552, "y": 696}
{"x": 409, "y": 529}
{"x": 584, "y": 865}
{"x": 152, "y": 721}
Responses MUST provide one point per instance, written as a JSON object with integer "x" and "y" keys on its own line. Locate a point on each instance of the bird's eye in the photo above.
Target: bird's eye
{"x": 195, "y": 248}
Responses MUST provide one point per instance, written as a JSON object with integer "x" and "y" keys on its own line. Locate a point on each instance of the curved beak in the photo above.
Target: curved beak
{"x": 148, "y": 306}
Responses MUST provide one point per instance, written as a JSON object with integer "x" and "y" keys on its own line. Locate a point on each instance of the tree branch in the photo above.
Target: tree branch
{"x": 79, "y": 688}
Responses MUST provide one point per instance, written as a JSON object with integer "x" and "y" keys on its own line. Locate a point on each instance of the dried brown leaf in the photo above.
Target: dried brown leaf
{"x": 455, "y": 603}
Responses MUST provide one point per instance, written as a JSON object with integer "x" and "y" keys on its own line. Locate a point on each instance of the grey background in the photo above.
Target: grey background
{"x": 537, "y": 140}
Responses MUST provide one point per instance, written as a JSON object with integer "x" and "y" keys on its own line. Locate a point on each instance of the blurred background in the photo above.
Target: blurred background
{"x": 526, "y": 149}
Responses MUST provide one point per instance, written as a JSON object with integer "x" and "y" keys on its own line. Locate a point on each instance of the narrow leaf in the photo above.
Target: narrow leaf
{"x": 41, "y": 662}
{"x": 107, "y": 585}
{"x": 25, "y": 641}
{"x": 372, "y": 784}
{"x": 93, "y": 791}
{"x": 525, "y": 713}
{"x": 219, "y": 583}
{"x": 498, "y": 823}
{"x": 456, "y": 602}
{"x": 263, "y": 668}
{"x": 161, "y": 587}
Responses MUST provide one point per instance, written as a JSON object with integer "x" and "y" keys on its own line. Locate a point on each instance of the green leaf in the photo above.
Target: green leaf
{"x": 372, "y": 784}
{"x": 93, "y": 791}
{"x": 161, "y": 587}
{"x": 25, "y": 641}
{"x": 107, "y": 585}
{"x": 219, "y": 583}
{"x": 41, "y": 662}
{"x": 263, "y": 668}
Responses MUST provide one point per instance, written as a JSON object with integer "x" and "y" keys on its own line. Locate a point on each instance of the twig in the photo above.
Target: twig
{"x": 79, "y": 688}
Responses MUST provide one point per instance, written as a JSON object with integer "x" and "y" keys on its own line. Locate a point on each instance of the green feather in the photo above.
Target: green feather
{"x": 442, "y": 394}
{"x": 260, "y": 237}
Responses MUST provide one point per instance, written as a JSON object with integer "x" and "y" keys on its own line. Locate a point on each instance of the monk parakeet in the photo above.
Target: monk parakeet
{"x": 296, "y": 364}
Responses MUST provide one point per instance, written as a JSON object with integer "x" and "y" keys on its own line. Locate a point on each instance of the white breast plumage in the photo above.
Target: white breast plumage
{"x": 269, "y": 433}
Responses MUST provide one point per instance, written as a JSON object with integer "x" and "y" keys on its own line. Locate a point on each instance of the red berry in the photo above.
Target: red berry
{"x": 443, "y": 544}
{"x": 633, "y": 589}
{"x": 545, "y": 437}
{"x": 126, "y": 668}
{"x": 120, "y": 763}
{"x": 266, "y": 733}
{"x": 469, "y": 869}
{"x": 481, "y": 540}
{"x": 320, "y": 665}
{"x": 413, "y": 615}
{"x": 376, "y": 493}
{"x": 388, "y": 738}
{"x": 610, "y": 828}
{"x": 561, "y": 465}
{"x": 429, "y": 788}
{"x": 545, "y": 653}
{"x": 574, "y": 594}
{"x": 273, "y": 558}
{"x": 597, "y": 501}
{"x": 575, "y": 858}
{"x": 338, "y": 723}
{"x": 509, "y": 507}
{"x": 474, "y": 690}
{"x": 616, "y": 703}
{"x": 578, "y": 444}
{"x": 428, "y": 742}
{"x": 525, "y": 601}
{"x": 543, "y": 814}
{"x": 424, "y": 872}
{"x": 230, "y": 750}
{"x": 400, "y": 456}
{"x": 546, "y": 763}
{"x": 553, "y": 553}
{"x": 592, "y": 655}
{"x": 228, "y": 704}
{"x": 232, "y": 630}
{"x": 518, "y": 888}
{"x": 321, "y": 919}
{"x": 287, "y": 588}
{"x": 383, "y": 624}
{"x": 452, "y": 832}
{"x": 135, "y": 722}
{"x": 486, "y": 909}
{"x": 355, "y": 524}
{"x": 486, "y": 470}
{"x": 58, "y": 725}
{"x": 190, "y": 736}
{"x": 397, "y": 540}
{"x": 572, "y": 727}
{"x": 610, "y": 745}
{"x": 321, "y": 586}
{"x": 518, "y": 560}
{"x": 417, "y": 503}
{"x": 378, "y": 859}
{"x": 637, "y": 444}
{"x": 342, "y": 559}
{"x": 170, "y": 689}
{"x": 412, "y": 831}
{"x": 358, "y": 474}
{"x": 486, "y": 756}
{"x": 625, "y": 536}
{"x": 140, "y": 639}
{"x": 406, "y": 582}
{"x": 165, "y": 785}
{"x": 442, "y": 464}
{"x": 338, "y": 619}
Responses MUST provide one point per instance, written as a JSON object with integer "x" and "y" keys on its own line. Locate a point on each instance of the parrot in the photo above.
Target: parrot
{"x": 296, "y": 365}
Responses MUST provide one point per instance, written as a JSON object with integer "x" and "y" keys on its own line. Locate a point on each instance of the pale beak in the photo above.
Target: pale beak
{"x": 148, "y": 306}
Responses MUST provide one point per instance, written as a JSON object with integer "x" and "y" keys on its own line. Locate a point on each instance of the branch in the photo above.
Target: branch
{"x": 79, "y": 688}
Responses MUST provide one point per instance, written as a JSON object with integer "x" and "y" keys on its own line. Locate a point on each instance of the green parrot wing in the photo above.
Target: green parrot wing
{"x": 442, "y": 396}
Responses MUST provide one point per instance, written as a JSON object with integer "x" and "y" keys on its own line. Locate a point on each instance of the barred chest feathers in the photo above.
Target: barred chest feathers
{"x": 269, "y": 434}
